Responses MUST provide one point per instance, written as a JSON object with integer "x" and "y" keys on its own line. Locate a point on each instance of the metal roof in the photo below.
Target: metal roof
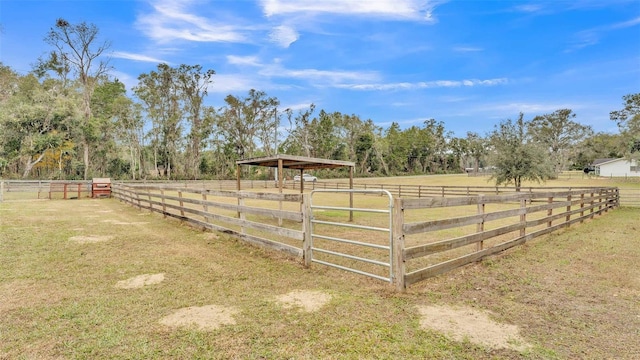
{"x": 296, "y": 162}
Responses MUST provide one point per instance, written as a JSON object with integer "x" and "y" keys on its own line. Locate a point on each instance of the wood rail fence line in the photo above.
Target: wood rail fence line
{"x": 231, "y": 216}
{"x": 629, "y": 196}
{"x": 575, "y": 206}
{"x": 535, "y": 213}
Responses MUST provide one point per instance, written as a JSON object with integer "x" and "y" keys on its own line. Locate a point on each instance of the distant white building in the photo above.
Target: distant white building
{"x": 616, "y": 167}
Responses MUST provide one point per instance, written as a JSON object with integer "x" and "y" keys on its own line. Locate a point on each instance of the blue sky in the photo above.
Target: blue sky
{"x": 470, "y": 64}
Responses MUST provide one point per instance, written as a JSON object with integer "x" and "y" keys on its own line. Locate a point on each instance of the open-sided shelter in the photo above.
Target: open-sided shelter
{"x": 302, "y": 163}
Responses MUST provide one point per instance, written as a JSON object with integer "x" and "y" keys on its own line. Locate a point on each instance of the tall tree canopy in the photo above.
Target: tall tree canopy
{"x": 76, "y": 51}
{"x": 517, "y": 156}
{"x": 558, "y": 133}
{"x": 628, "y": 120}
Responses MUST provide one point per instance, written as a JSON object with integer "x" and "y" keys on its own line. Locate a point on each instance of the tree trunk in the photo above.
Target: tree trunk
{"x": 85, "y": 158}
{"x": 30, "y": 164}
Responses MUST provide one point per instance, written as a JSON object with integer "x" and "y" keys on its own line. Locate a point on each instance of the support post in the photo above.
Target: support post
{"x": 550, "y": 211}
{"x": 307, "y": 252}
{"x": 181, "y": 203}
{"x": 568, "y": 218}
{"x": 523, "y": 216}
{"x": 205, "y": 208}
{"x": 164, "y": 205}
{"x": 399, "y": 266}
{"x": 480, "y": 225}
{"x": 1, "y": 190}
{"x": 280, "y": 184}
{"x": 238, "y": 186}
{"x": 351, "y": 193}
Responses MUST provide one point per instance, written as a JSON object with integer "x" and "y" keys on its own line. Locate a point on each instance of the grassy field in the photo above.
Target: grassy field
{"x": 573, "y": 294}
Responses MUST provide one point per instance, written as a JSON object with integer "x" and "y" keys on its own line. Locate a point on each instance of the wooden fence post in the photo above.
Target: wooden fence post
{"x": 307, "y": 252}
{"x": 523, "y": 216}
{"x": 581, "y": 207}
{"x": 181, "y": 203}
{"x": 164, "y": 205}
{"x": 568, "y": 218}
{"x": 138, "y": 199}
{"x": 205, "y": 208}
{"x": 1, "y": 190}
{"x": 591, "y": 206}
{"x": 399, "y": 267}
{"x": 480, "y": 225}
{"x": 600, "y": 201}
{"x": 550, "y": 211}
{"x": 243, "y": 216}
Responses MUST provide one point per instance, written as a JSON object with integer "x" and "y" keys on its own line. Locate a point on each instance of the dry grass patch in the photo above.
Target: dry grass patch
{"x": 89, "y": 239}
{"x": 140, "y": 281}
{"x": 308, "y": 301}
{"x": 203, "y": 318}
{"x": 465, "y": 323}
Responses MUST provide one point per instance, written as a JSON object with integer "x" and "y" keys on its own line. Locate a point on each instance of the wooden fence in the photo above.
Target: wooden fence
{"x": 44, "y": 189}
{"x": 270, "y": 220}
{"x": 431, "y": 235}
{"x": 423, "y": 248}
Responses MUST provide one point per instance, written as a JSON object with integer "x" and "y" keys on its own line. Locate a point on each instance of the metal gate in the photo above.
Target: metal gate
{"x": 322, "y": 242}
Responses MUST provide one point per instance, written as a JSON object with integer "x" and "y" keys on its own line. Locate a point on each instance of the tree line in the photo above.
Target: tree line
{"x": 69, "y": 119}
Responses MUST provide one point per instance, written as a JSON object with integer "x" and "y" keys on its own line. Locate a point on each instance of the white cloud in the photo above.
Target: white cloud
{"x": 393, "y": 9}
{"x": 320, "y": 76}
{"x": 528, "y": 108}
{"x": 283, "y": 35}
{"x": 234, "y": 83}
{"x": 593, "y": 36}
{"x": 529, "y": 8}
{"x": 137, "y": 57}
{"x": 171, "y": 20}
{"x": 626, "y": 24}
{"x": 467, "y": 49}
{"x": 425, "y": 84}
{"x": 244, "y": 60}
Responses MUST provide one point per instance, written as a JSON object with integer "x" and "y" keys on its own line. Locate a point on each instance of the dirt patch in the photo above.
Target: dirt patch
{"x": 309, "y": 301}
{"x": 91, "y": 239}
{"x": 205, "y": 318}
{"x": 140, "y": 281}
{"x": 473, "y": 325}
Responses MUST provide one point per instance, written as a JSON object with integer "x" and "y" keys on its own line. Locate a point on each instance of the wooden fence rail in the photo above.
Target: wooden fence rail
{"x": 526, "y": 220}
{"x": 228, "y": 214}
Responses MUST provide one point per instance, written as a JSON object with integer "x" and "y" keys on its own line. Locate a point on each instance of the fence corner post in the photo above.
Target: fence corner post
{"x": 399, "y": 266}
{"x": 307, "y": 254}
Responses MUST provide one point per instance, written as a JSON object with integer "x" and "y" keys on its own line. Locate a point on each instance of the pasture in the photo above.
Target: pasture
{"x": 100, "y": 279}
